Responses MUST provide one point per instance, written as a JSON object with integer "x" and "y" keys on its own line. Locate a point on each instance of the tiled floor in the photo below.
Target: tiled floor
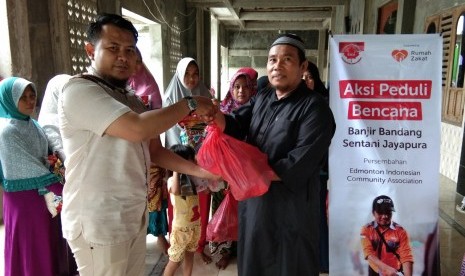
{"x": 451, "y": 234}
{"x": 451, "y": 231}
{"x": 155, "y": 262}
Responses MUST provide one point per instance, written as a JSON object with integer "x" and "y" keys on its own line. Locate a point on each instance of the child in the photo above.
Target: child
{"x": 185, "y": 232}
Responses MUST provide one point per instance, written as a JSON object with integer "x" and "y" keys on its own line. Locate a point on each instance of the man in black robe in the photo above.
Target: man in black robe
{"x": 278, "y": 231}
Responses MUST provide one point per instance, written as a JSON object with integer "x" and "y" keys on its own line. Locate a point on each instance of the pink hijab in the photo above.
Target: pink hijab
{"x": 144, "y": 84}
{"x": 229, "y": 104}
{"x": 253, "y": 75}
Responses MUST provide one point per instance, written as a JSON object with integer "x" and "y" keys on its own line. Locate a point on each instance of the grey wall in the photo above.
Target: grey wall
{"x": 40, "y": 39}
{"x": 109, "y": 6}
{"x": 408, "y": 21}
{"x": 250, "y": 48}
{"x": 426, "y": 8}
{"x": 405, "y": 18}
{"x": 29, "y": 42}
{"x": 357, "y": 13}
{"x": 194, "y": 27}
{"x": 411, "y": 17}
{"x": 263, "y": 40}
{"x": 169, "y": 12}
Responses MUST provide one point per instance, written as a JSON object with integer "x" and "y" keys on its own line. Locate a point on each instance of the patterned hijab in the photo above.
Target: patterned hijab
{"x": 11, "y": 89}
{"x": 253, "y": 75}
{"x": 23, "y": 145}
{"x": 229, "y": 104}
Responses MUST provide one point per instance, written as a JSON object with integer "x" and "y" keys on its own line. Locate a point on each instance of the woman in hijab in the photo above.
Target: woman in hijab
{"x": 241, "y": 88}
{"x": 190, "y": 131}
{"x": 144, "y": 85}
{"x": 253, "y": 75}
{"x": 313, "y": 80}
{"x": 32, "y": 235}
{"x": 185, "y": 82}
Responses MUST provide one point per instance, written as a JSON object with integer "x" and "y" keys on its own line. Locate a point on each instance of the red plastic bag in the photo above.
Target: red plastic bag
{"x": 243, "y": 166}
{"x": 224, "y": 223}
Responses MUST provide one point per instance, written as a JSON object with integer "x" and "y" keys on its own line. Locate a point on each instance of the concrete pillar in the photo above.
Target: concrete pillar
{"x": 322, "y": 54}
{"x": 199, "y": 40}
{"x": 59, "y": 36}
{"x": 337, "y": 20}
{"x": 109, "y": 6}
{"x": 407, "y": 21}
{"x": 17, "y": 31}
{"x": 5, "y": 52}
{"x": 215, "y": 55}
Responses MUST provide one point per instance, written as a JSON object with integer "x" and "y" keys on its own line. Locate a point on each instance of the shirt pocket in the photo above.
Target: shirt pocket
{"x": 282, "y": 130}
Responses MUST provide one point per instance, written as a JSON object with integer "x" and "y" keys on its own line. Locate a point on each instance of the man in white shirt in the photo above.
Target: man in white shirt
{"x": 109, "y": 140}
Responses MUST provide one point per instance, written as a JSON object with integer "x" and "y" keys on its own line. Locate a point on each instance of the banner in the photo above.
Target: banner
{"x": 385, "y": 93}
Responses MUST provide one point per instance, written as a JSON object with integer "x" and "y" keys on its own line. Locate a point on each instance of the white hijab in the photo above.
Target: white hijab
{"x": 177, "y": 90}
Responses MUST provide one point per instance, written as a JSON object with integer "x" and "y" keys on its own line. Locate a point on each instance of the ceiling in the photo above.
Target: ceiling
{"x": 256, "y": 15}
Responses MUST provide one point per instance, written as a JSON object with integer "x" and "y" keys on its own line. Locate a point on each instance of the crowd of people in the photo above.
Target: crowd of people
{"x": 122, "y": 183}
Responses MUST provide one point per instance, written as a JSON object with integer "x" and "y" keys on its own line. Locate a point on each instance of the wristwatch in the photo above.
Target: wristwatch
{"x": 191, "y": 103}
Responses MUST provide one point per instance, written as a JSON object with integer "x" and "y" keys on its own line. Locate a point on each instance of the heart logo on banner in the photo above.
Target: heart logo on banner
{"x": 399, "y": 55}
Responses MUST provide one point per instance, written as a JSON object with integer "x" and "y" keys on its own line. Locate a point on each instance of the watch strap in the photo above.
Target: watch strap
{"x": 191, "y": 103}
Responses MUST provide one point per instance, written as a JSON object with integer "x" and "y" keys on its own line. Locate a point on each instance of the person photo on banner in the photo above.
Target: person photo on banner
{"x": 386, "y": 244}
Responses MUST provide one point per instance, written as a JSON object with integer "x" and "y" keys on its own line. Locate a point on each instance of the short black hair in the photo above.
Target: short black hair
{"x": 95, "y": 28}
{"x": 302, "y": 57}
{"x": 184, "y": 151}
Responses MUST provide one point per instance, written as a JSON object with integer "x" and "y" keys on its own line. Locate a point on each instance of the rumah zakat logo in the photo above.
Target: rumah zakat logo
{"x": 351, "y": 51}
{"x": 399, "y": 55}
